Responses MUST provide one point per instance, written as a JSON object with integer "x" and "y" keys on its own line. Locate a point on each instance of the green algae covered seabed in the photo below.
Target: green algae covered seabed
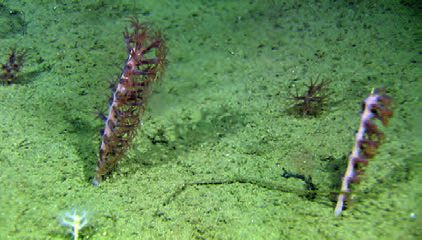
{"x": 219, "y": 155}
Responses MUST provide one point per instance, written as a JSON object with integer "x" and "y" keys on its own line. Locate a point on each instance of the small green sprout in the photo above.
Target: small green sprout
{"x": 75, "y": 220}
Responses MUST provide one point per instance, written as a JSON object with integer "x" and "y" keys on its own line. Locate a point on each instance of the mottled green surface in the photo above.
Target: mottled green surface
{"x": 208, "y": 160}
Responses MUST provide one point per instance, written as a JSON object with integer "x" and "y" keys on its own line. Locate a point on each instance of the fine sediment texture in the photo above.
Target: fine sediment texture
{"x": 207, "y": 161}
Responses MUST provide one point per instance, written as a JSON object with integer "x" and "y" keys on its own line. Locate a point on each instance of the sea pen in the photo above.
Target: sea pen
{"x": 144, "y": 66}
{"x": 368, "y": 140}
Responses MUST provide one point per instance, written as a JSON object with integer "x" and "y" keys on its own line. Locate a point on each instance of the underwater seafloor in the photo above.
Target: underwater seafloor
{"x": 220, "y": 154}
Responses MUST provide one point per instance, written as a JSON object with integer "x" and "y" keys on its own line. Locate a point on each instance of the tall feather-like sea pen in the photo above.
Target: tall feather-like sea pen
{"x": 368, "y": 139}
{"x": 144, "y": 66}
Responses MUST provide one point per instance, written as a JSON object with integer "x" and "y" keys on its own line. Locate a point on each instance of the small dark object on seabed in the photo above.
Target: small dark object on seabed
{"x": 312, "y": 101}
{"x": 10, "y": 70}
